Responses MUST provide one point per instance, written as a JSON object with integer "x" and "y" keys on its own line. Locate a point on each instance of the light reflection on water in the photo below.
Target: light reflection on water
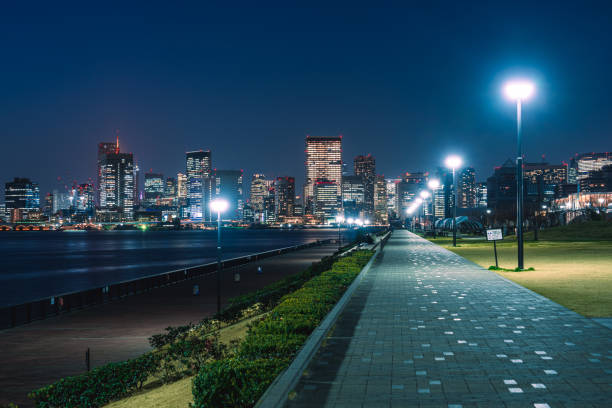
{"x": 40, "y": 264}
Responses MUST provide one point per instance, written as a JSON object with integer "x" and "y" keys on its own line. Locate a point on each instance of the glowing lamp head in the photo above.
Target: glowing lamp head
{"x": 418, "y": 201}
{"x": 519, "y": 90}
{"x": 410, "y": 210}
{"x": 425, "y": 194}
{"x": 219, "y": 205}
{"x": 350, "y": 220}
{"x": 359, "y": 222}
{"x": 453, "y": 162}
{"x": 339, "y": 218}
{"x": 488, "y": 211}
{"x": 433, "y": 184}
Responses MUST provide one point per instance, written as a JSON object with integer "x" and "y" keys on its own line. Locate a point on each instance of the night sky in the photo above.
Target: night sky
{"x": 408, "y": 84}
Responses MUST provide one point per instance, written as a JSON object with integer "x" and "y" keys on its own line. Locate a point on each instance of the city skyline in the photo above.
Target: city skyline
{"x": 190, "y": 81}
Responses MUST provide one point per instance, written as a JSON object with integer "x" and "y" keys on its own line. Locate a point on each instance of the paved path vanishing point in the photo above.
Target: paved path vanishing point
{"x": 427, "y": 328}
{"x": 39, "y": 353}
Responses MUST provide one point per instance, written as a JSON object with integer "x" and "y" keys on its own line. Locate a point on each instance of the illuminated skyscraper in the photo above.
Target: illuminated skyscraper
{"x": 587, "y": 163}
{"x": 365, "y": 167}
{"x": 21, "y": 197}
{"x": 259, "y": 192}
{"x": 392, "y": 201}
{"x": 353, "y": 197}
{"x": 327, "y": 200}
{"x": 104, "y": 148}
{"x": 153, "y": 188}
{"x": 481, "y": 194}
{"x": 199, "y": 185}
{"x": 466, "y": 190}
{"x": 228, "y": 185}
{"x": 381, "y": 215}
{"x": 324, "y": 165}
{"x": 170, "y": 188}
{"x": 117, "y": 188}
{"x": 284, "y": 199}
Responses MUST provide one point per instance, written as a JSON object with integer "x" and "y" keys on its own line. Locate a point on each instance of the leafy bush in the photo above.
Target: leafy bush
{"x": 234, "y": 382}
{"x": 99, "y": 386}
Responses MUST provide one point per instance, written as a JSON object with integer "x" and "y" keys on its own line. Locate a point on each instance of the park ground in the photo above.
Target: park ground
{"x": 573, "y": 264}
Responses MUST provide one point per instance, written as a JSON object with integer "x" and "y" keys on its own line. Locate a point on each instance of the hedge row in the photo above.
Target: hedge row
{"x": 271, "y": 344}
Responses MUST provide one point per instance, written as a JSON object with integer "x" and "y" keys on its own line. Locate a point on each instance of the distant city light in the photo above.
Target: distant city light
{"x": 339, "y": 218}
{"x": 453, "y": 162}
{"x": 433, "y": 184}
{"x": 519, "y": 90}
{"x": 219, "y": 205}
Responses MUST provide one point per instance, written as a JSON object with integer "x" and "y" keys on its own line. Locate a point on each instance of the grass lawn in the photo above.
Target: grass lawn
{"x": 573, "y": 265}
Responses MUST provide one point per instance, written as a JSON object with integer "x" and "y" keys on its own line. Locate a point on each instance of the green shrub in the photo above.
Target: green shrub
{"x": 99, "y": 386}
{"x": 234, "y": 382}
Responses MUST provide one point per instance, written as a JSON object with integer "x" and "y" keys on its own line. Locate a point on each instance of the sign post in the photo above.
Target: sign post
{"x": 495, "y": 234}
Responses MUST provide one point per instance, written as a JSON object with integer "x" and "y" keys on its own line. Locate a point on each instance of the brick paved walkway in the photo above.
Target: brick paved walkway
{"x": 427, "y": 328}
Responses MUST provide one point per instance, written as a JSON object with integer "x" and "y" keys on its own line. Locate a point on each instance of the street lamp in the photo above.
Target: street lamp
{"x": 339, "y": 220}
{"x": 453, "y": 162}
{"x": 219, "y": 206}
{"x": 519, "y": 90}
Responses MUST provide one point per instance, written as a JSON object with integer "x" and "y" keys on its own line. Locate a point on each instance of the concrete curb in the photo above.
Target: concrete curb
{"x": 277, "y": 393}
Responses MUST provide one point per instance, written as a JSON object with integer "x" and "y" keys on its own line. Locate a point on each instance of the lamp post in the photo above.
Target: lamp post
{"x": 453, "y": 162}
{"x": 219, "y": 206}
{"x": 519, "y": 91}
{"x": 433, "y": 185}
{"x": 339, "y": 220}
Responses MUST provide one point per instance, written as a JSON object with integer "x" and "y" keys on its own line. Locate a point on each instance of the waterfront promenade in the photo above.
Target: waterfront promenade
{"x": 427, "y": 328}
{"x": 39, "y": 353}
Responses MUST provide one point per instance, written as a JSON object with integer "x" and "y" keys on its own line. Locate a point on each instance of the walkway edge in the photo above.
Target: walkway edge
{"x": 278, "y": 392}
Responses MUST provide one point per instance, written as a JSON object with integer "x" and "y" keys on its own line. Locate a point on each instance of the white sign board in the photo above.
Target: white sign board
{"x": 494, "y": 234}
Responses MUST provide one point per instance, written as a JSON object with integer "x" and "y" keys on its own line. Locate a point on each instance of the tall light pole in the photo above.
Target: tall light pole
{"x": 519, "y": 91}
{"x": 219, "y": 206}
{"x": 433, "y": 185}
{"x": 454, "y": 162}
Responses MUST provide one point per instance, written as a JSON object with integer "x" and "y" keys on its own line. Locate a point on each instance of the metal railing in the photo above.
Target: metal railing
{"x": 16, "y": 315}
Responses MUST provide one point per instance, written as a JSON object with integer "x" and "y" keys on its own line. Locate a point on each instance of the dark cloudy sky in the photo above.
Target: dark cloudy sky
{"x": 407, "y": 83}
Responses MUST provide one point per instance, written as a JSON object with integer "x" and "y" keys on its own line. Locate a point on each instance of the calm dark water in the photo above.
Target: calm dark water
{"x": 40, "y": 264}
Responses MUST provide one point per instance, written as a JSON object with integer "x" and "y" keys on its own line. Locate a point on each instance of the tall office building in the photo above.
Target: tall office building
{"x": 365, "y": 167}
{"x": 104, "y": 148}
{"x": 181, "y": 186}
{"x": 199, "y": 184}
{"x": 117, "y": 185}
{"x": 170, "y": 188}
{"x": 21, "y": 199}
{"x": 324, "y": 166}
{"x": 284, "y": 202}
{"x": 392, "y": 201}
{"x": 84, "y": 198}
{"x": 481, "y": 195}
{"x": 228, "y": 185}
{"x": 466, "y": 188}
{"x": 353, "y": 197}
{"x": 154, "y": 187}
{"x": 259, "y": 192}
{"x": 381, "y": 216}
{"x": 326, "y": 200}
